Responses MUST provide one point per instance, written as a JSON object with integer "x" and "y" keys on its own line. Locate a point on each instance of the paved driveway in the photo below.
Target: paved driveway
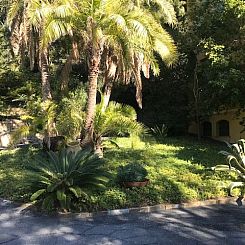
{"x": 221, "y": 224}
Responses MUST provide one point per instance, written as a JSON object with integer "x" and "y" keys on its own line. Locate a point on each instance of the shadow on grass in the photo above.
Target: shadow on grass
{"x": 204, "y": 152}
{"x": 13, "y": 164}
{"x": 123, "y": 156}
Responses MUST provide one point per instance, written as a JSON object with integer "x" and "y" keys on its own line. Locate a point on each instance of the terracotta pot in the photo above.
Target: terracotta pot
{"x": 135, "y": 183}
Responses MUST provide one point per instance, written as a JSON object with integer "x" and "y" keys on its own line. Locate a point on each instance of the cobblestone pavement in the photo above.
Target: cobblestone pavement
{"x": 217, "y": 224}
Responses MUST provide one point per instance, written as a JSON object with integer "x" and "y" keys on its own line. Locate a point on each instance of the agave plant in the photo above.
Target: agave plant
{"x": 64, "y": 177}
{"x": 235, "y": 163}
{"x": 159, "y": 132}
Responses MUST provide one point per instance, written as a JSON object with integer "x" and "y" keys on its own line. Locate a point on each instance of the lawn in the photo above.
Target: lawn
{"x": 178, "y": 169}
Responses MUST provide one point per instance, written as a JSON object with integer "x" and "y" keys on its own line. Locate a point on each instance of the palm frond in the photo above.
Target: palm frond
{"x": 65, "y": 174}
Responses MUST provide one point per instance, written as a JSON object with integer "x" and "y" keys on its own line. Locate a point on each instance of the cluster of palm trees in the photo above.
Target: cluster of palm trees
{"x": 118, "y": 38}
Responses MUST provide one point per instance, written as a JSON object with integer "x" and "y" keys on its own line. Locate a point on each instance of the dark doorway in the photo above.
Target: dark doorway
{"x": 206, "y": 129}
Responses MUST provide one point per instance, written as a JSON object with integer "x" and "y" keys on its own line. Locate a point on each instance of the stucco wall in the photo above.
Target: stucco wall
{"x": 234, "y": 126}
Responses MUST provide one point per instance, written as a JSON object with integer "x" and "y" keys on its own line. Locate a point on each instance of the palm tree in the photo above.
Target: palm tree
{"x": 25, "y": 19}
{"x": 67, "y": 68}
{"x": 121, "y": 20}
{"x": 105, "y": 24}
{"x": 21, "y": 33}
{"x": 115, "y": 70}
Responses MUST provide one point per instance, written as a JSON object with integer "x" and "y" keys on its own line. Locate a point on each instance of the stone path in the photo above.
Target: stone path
{"x": 217, "y": 224}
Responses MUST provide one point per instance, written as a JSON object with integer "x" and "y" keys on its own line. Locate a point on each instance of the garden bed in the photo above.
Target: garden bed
{"x": 179, "y": 171}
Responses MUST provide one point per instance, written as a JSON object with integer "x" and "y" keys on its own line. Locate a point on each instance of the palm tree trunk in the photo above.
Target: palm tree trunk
{"x": 65, "y": 73}
{"x": 138, "y": 82}
{"x": 32, "y": 50}
{"x": 111, "y": 69}
{"x": 94, "y": 54}
{"x": 46, "y": 90}
{"x": 107, "y": 94}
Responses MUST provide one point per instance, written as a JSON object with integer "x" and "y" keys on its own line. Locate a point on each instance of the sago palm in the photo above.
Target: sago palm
{"x": 62, "y": 177}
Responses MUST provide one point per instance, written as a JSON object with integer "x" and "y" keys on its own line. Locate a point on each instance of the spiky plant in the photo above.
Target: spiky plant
{"x": 62, "y": 177}
{"x": 235, "y": 164}
{"x": 159, "y": 132}
{"x": 117, "y": 119}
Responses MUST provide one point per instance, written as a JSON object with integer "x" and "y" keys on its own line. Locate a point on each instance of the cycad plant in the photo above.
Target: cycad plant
{"x": 159, "y": 132}
{"x": 116, "y": 120}
{"x": 235, "y": 163}
{"x": 63, "y": 177}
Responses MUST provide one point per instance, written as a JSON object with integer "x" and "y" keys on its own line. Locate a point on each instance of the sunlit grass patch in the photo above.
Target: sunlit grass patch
{"x": 178, "y": 169}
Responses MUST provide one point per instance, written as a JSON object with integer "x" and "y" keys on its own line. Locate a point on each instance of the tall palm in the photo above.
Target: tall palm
{"x": 101, "y": 24}
{"x": 25, "y": 19}
{"x": 115, "y": 68}
{"x": 140, "y": 31}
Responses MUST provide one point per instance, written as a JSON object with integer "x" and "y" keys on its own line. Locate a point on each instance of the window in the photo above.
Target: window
{"x": 223, "y": 128}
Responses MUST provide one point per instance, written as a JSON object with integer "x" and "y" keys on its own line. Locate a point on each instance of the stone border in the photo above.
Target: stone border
{"x": 148, "y": 209}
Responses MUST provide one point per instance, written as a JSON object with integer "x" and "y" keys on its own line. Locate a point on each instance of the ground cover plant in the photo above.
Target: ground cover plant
{"x": 179, "y": 170}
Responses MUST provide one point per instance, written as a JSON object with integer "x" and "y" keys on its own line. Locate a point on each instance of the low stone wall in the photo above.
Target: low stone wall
{"x": 6, "y": 127}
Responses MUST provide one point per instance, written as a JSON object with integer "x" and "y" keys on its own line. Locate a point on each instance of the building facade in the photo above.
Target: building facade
{"x": 222, "y": 126}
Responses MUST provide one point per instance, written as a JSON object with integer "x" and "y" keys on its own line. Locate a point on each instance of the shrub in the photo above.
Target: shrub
{"x": 159, "y": 132}
{"x": 72, "y": 113}
{"x": 131, "y": 172}
{"x": 63, "y": 176}
{"x": 115, "y": 120}
{"x": 113, "y": 198}
{"x": 39, "y": 119}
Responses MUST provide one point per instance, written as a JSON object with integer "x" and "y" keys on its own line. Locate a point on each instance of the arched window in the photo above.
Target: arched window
{"x": 223, "y": 128}
{"x": 207, "y": 129}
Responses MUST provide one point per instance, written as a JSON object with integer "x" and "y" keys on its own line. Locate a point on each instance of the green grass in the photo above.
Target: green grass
{"x": 179, "y": 171}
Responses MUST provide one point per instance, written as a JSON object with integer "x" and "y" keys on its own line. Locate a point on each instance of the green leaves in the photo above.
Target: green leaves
{"x": 37, "y": 194}
{"x": 117, "y": 119}
{"x": 235, "y": 163}
{"x": 62, "y": 177}
{"x": 131, "y": 172}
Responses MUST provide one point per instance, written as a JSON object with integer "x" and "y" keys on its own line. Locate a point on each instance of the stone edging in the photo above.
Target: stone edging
{"x": 148, "y": 209}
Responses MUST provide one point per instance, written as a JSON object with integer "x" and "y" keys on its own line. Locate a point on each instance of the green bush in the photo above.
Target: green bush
{"x": 159, "y": 132}
{"x": 112, "y": 199}
{"x": 71, "y": 117}
{"x": 62, "y": 177}
{"x": 131, "y": 172}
